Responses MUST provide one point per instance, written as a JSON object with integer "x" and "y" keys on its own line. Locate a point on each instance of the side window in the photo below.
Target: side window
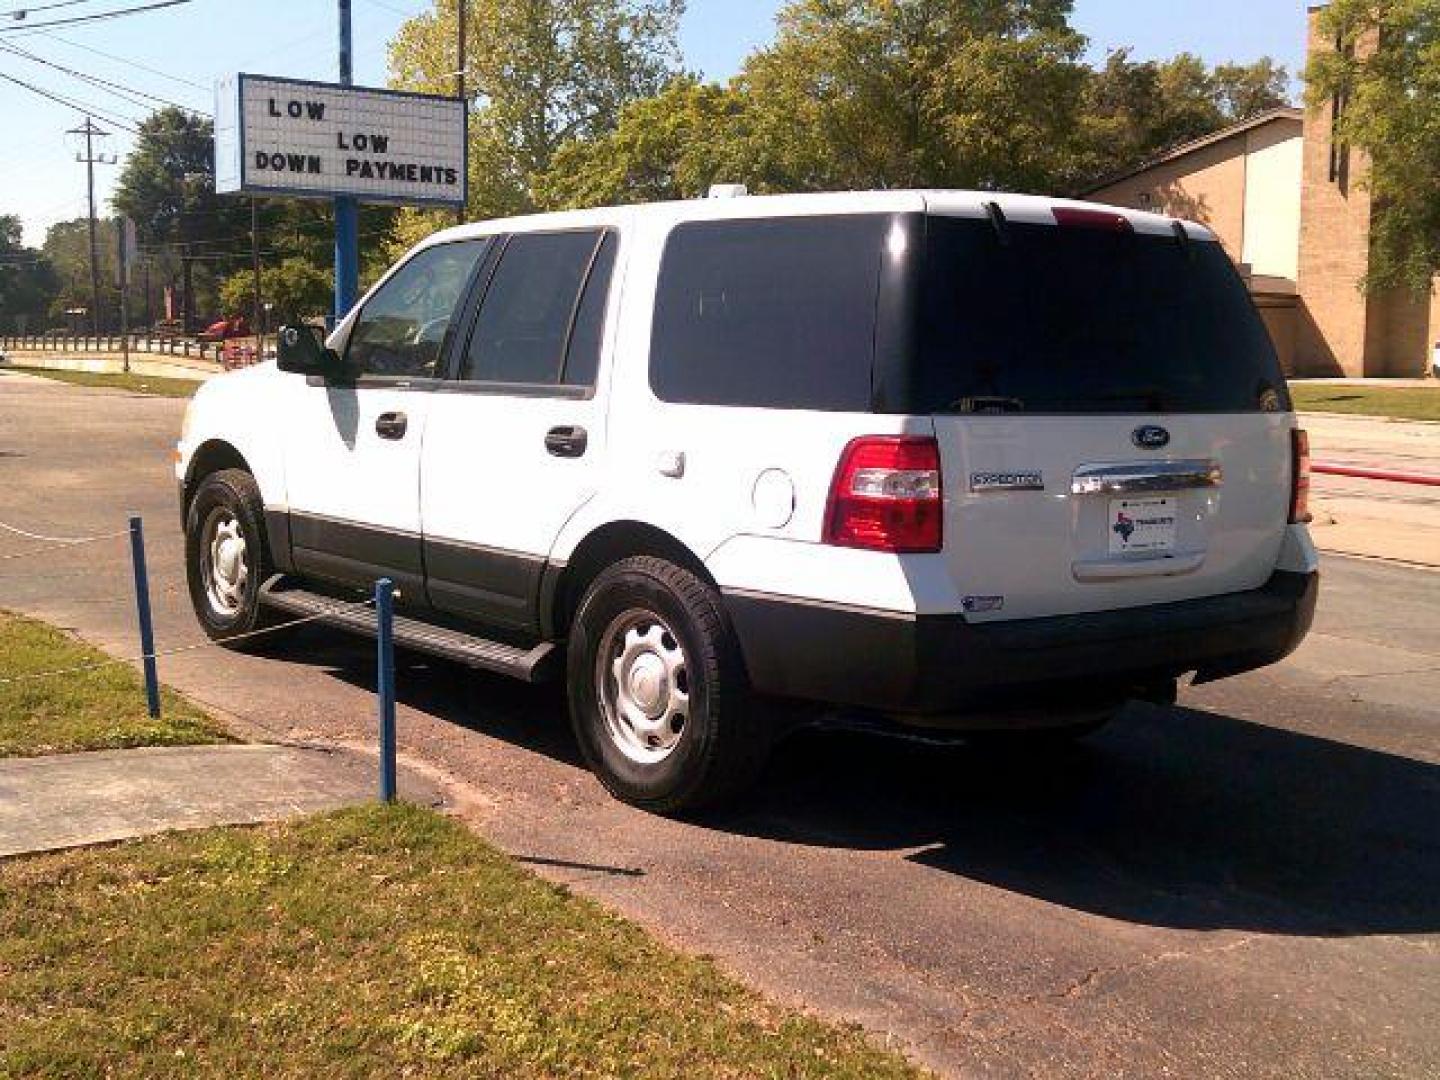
{"x": 523, "y": 331}
{"x": 771, "y": 313}
{"x": 401, "y": 329}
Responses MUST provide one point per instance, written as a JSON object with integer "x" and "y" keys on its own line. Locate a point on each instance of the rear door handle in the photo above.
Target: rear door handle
{"x": 391, "y": 425}
{"x": 567, "y": 441}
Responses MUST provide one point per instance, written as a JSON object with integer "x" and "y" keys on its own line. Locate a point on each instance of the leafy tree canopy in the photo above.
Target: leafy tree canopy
{"x": 297, "y": 288}
{"x": 539, "y": 74}
{"x": 1133, "y": 110}
{"x": 167, "y": 185}
{"x": 28, "y": 282}
{"x": 902, "y": 93}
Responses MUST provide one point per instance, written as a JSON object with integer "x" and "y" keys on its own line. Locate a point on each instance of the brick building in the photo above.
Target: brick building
{"x": 1284, "y": 199}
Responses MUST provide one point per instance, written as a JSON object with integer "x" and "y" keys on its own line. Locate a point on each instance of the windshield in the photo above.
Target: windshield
{"x": 1050, "y": 319}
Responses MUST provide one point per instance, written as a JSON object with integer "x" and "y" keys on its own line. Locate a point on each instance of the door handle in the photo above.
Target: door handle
{"x": 567, "y": 441}
{"x": 391, "y": 425}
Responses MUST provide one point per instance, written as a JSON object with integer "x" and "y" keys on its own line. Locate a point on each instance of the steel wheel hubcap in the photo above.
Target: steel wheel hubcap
{"x": 226, "y": 567}
{"x": 643, "y": 686}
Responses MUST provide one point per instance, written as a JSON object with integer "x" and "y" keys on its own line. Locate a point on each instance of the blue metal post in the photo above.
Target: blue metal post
{"x": 385, "y": 683}
{"x": 142, "y": 606}
{"x": 347, "y": 210}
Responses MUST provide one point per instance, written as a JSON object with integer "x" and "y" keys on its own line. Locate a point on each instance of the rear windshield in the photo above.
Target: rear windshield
{"x": 1051, "y": 319}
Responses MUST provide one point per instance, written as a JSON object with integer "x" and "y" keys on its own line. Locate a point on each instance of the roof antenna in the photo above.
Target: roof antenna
{"x": 998, "y": 223}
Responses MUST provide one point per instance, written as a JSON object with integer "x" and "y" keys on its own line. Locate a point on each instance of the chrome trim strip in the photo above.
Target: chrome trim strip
{"x": 1131, "y": 478}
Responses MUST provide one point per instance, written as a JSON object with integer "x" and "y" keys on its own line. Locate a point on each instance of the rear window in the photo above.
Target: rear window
{"x": 1052, "y": 319}
{"x": 771, "y": 313}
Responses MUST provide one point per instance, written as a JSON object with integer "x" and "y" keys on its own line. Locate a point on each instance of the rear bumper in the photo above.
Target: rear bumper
{"x": 937, "y": 665}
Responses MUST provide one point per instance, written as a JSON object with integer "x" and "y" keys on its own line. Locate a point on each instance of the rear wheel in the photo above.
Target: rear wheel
{"x": 658, "y": 695}
{"x": 226, "y": 558}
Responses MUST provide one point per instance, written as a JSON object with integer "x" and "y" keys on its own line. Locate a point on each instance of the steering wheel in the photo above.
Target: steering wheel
{"x": 432, "y": 330}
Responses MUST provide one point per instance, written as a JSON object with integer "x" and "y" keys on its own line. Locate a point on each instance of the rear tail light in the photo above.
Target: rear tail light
{"x": 1299, "y": 477}
{"x": 886, "y": 495}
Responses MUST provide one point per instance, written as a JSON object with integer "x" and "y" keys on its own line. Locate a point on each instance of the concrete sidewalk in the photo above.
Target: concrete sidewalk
{"x": 152, "y": 365}
{"x": 68, "y": 800}
{"x": 1375, "y": 518}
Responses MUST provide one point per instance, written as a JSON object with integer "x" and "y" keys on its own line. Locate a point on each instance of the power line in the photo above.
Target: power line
{"x": 124, "y": 60}
{"x": 98, "y": 16}
{"x": 120, "y": 90}
{"x": 24, "y": 12}
{"x": 78, "y": 106}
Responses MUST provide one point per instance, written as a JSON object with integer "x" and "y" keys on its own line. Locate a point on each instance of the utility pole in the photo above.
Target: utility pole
{"x": 460, "y": 88}
{"x": 347, "y": 209}
{"x": 91, "y": 159}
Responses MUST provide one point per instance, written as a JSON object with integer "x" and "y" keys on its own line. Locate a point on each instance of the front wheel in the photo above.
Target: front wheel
{"x": 658, "y": 694}
{"x": 226, "y": 559}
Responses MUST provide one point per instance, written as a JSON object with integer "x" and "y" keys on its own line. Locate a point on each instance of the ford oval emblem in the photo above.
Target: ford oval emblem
{"x": 1150, "y": 437}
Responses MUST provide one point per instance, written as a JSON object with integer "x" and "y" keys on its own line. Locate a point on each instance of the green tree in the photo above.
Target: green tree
{"x": 1386, "y": 74}
{"x": 167, "y": 186}
{"x": 540, "y": 73}
{"x": 882, "y": 93}
{"x": 1133, "y": 110}
{"x": 296, "y": 287}
{"x": 670, "y": 146}
{"x": 28, "y": 282}
{"x": 1246, "y": 90}
{"x": 67, "y": 249}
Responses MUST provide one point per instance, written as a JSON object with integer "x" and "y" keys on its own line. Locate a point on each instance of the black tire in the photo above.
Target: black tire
{"x": 724, "y": 740}
{"x": 230, "y": 494}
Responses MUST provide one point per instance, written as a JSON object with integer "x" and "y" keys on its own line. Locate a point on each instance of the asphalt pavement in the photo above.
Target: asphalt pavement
{"x": 1247, "y": 884}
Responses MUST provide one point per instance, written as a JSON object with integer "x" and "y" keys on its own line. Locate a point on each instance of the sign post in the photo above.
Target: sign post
{"x": 125, "y": 238}
{"x": 347, "y": 210}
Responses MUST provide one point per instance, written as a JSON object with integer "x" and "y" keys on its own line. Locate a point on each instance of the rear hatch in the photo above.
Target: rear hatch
{"x": 1113, "y": 424}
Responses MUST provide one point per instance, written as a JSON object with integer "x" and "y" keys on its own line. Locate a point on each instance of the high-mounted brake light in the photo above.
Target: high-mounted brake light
{"x": 1107, "y": 220}
{"x": 886, "y": 495}
{"x": 1299, "y": 477}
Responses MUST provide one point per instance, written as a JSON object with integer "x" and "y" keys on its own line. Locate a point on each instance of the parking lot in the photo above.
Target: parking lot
{"x": 1245, "y": 885}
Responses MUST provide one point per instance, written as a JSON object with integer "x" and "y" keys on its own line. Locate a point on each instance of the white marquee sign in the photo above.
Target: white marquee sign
{"x": 278, "y": 136}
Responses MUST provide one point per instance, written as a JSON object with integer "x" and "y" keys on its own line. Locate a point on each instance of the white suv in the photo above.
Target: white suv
{"x": 945, "y": 460}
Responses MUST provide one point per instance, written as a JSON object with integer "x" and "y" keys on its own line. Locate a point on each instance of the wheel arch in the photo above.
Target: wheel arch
{"x": 209, "y": 457}
{"x": 562, "y": 587}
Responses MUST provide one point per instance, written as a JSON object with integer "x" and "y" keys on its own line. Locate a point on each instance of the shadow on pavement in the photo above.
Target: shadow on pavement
{"x": 1170, "y": 817}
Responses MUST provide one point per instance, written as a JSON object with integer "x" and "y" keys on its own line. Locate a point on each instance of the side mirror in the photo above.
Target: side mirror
{"x": 302, "y": 351}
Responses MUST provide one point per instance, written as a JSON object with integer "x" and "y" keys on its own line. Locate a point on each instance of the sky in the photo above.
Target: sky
{"x": 182, "y": 50}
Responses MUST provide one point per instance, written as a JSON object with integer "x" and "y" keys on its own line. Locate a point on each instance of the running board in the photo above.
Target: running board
{"x": 530, "y": 665}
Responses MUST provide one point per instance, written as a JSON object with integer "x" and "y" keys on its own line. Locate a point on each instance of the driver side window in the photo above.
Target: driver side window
{"x": 401, "y": 330}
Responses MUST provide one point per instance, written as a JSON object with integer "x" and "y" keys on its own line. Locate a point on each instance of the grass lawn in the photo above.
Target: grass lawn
{"x": 1401, "y": 402}
{"x": 89, "y": 710}
{"x": 378, "y": 941}
{"x": 140, "y": 384}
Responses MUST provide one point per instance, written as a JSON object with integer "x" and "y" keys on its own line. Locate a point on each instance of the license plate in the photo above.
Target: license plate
{"x": 1142, "y": 525}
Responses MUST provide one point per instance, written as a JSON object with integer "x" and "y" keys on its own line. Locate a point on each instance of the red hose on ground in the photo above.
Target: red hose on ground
{"x": 1329, "y": 468}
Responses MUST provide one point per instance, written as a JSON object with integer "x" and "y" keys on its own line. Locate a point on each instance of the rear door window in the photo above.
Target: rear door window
{"x": 774, "y": 313}
{"x": 523, "y": 332}
{"x": 1054, "y": 319}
